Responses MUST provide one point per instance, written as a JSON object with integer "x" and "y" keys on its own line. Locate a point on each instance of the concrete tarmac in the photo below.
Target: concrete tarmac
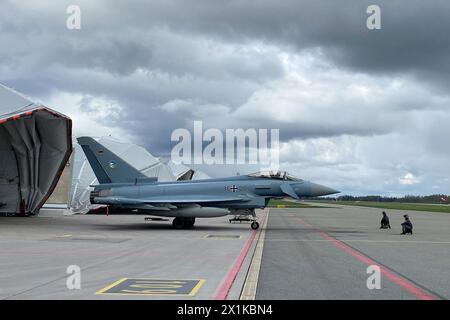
{"x": 324, "y": 253}
{"x": 307, "y": 253}
{"x": 37, "y": 251}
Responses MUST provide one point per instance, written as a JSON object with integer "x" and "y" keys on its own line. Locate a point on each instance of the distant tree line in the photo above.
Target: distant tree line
{"x": 434, "y": 198}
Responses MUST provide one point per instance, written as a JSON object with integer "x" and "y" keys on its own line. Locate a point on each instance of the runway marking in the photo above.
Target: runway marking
{"x": 153, "y": 287}
{"x": 402, "y": 282}
{"x": 251, "y": 281}
{"x": 231, "y": 276}
{"x": 87, "y": 238}
{"x": 223, "y": 236}
{"x": 110, "y": 286}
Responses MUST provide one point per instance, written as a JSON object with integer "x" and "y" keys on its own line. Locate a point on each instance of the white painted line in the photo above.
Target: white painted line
{"x": 251, "y": 280}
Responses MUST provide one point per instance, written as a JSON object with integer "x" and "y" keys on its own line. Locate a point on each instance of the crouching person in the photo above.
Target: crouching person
{"x": 385, "y": 221}
{"x": 407, "y": 227}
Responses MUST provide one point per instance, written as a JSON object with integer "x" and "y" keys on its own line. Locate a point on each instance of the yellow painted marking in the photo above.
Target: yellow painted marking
{"x": 197, "y": 287}
{"x": 155, "y": 285}
{"x": 151, "y": 292}
{"x": 193, "y": 292}
{"x": 101, "y": 291}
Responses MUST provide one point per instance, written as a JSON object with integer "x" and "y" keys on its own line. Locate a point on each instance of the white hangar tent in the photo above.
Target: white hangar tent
{"x": 35, "y": 145}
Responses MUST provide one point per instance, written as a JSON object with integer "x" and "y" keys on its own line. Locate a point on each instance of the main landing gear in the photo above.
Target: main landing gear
{"x": 183, "y": 223}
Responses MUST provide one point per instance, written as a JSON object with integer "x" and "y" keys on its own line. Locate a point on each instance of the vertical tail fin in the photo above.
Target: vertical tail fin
{"x": 107, "y": 166}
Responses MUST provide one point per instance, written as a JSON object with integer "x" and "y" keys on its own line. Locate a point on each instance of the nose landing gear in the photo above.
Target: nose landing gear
{"x": 245, "y": 215}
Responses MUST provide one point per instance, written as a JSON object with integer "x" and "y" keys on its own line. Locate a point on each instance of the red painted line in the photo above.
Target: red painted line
{"x": 402, "y": 282}
{"x": 225, "y": 288}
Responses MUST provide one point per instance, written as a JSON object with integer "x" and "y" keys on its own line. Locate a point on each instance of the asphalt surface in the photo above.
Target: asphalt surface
{"x": 37, "y": 251}
{"x": 323, "y": 253}
{"x": 307, "y": 253}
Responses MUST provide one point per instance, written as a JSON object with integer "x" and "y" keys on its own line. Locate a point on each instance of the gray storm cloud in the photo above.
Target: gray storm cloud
{"x": 359, "y": 110}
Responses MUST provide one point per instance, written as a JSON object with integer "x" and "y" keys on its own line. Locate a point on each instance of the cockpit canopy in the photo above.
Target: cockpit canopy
{"x": 280, "y": 175}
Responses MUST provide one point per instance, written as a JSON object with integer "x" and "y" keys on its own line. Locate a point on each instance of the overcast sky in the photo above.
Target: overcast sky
{"x": 363, "y": 111}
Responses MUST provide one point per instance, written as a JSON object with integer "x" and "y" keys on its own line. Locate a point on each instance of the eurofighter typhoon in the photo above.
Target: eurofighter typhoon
{"x": 122, "y": 186}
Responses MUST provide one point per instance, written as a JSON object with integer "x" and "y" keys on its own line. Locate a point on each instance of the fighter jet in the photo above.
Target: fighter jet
{"x": 122, "y": 186}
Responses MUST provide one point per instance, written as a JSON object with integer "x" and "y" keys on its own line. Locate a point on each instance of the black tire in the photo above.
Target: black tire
{"x": 189, "y": 223}
{"x": 178, "y": 223}
{"x": 254, "y": 225}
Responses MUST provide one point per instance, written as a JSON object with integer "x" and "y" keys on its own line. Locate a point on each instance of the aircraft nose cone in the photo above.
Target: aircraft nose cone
{"x": 318, "y": 190}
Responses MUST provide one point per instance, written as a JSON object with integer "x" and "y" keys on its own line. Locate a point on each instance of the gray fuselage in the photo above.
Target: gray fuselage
{"x": 233, "y": 193}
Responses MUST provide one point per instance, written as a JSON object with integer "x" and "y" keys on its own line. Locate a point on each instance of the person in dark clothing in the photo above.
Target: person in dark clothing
{"x": 385, "y": 222}
{"x": 407, "y": 226}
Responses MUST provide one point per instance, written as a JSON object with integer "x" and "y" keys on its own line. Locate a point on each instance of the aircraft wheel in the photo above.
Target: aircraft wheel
{"x": 178, "y": 223}
{"x": 189, "y": 223}
{"x": 254, "y": 225}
